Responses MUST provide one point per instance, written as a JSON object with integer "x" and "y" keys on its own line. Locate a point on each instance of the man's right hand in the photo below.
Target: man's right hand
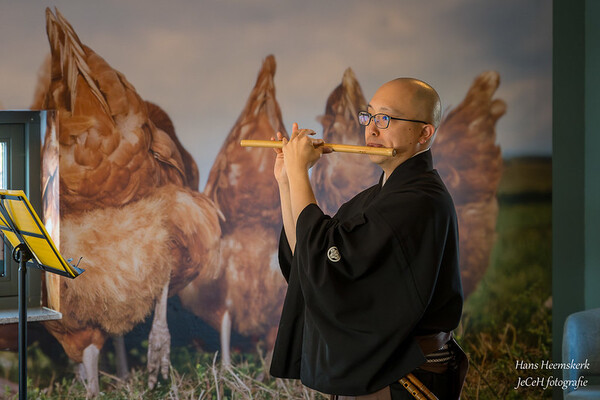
{"x": 279, "y": 169}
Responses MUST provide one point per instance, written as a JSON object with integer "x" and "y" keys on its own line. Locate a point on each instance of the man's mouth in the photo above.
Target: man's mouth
{"x": 375, "y": 145}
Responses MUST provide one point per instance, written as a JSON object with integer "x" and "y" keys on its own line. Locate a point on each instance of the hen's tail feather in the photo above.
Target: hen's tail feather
{"x": 64, "y": 40}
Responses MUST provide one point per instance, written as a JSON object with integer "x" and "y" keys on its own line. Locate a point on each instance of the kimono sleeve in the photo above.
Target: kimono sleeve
{"x": 362, "y": 303}
{"x": 285, "y": 256}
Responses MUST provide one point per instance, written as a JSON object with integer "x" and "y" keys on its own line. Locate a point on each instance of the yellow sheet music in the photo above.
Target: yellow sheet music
{"x": 20, "y": 223}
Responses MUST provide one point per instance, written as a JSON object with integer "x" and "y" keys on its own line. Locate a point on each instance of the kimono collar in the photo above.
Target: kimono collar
{"x": 420, "y": 162}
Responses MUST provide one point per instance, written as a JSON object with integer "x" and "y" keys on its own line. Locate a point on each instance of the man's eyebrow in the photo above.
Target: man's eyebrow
{"x": 387, "y": 109}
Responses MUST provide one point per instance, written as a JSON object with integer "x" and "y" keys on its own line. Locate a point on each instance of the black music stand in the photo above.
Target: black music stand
{"x": 33, "y": 247}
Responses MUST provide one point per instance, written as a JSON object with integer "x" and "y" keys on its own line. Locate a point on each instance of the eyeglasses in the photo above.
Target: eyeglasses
{"x": 382, "y": 121}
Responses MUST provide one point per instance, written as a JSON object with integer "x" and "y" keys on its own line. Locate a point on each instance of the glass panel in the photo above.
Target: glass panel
{"x": 20, "y": 139}
{"x": 3, "y": 166}
{"x": 3, "y": 185}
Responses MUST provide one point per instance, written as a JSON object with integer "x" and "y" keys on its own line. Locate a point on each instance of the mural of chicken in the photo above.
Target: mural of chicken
{"x": 128, "y": 205}
{"x": 128, "y": 201}
{"x": 464, "y": 153}
{"x": 250, "y": 292}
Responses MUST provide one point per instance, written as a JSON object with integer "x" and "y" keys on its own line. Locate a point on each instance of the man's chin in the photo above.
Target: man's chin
{"x": 377, "y": 159}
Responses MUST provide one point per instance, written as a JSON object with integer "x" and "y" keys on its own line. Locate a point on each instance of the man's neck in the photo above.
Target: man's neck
{"x": 385, "y": 175}
{"x": 419, "y": 152}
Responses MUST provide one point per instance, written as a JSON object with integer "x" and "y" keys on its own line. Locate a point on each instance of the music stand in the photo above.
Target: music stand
{"x": 33, "y": 247}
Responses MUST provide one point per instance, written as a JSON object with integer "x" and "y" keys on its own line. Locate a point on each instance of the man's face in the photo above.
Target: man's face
{"x": 396, "y": 100}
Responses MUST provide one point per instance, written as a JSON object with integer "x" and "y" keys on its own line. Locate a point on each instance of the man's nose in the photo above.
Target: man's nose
{"x": 372, "y": 129}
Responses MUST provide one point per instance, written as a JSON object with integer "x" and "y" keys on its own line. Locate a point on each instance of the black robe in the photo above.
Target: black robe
{"x": 362, "y": 284}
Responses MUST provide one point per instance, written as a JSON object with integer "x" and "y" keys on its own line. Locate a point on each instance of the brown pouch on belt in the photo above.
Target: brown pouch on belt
{"x": 430, "y": 344}
{"x": 434, "y": 342}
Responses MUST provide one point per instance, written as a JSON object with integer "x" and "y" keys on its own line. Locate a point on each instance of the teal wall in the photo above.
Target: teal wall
{"x": 592, "y": 154}
{"x": 575, "y": 162}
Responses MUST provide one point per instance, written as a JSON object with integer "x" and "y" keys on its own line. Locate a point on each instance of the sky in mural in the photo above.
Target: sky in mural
{"x": 199, "y": 59}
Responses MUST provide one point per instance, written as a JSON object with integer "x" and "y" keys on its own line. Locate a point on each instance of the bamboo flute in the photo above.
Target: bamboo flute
{"x": 342, "y": 148}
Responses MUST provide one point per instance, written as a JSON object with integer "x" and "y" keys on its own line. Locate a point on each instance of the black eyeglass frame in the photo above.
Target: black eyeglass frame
{"x": 372, "y": 117}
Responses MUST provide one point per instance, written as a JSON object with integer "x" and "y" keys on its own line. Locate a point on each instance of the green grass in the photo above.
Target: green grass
{"x": 509, "y": 317}
{"x": 201, "y": 377}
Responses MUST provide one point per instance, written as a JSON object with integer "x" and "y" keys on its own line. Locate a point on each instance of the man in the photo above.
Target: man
{"x": 376, "y": 288}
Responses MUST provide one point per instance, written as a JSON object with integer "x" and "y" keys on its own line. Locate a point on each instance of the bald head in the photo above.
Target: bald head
{"x": 414, "y": 109}
{"x": 424, "y": 100}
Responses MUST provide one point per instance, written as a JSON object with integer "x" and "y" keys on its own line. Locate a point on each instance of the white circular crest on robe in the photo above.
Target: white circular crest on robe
{"x": 333, "y": 254}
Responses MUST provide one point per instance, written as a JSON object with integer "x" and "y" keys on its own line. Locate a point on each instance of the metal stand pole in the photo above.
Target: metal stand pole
{"x": 21, "y": 254}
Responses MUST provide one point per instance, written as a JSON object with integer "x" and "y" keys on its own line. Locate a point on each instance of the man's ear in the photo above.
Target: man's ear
{"x": 426, "y": 133}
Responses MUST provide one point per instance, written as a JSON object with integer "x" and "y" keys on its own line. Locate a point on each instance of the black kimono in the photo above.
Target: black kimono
{"x": 363, "y": 284}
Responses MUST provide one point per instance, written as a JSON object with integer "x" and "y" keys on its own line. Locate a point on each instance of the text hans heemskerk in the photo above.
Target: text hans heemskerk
{"x": 546, "y": 382}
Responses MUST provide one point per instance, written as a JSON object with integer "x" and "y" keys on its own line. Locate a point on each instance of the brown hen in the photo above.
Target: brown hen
{"x": 470, "y": 163}
{"x": 127, "y": 205}
{"x": 250, "y": 292}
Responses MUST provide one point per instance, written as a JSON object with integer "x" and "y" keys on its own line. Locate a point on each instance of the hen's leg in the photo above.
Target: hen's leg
{"x": 159, "y": 342}
{"x": 226, "y": 339}
{"x": 88, "y": 370}
{"x": 120, "y": 356}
